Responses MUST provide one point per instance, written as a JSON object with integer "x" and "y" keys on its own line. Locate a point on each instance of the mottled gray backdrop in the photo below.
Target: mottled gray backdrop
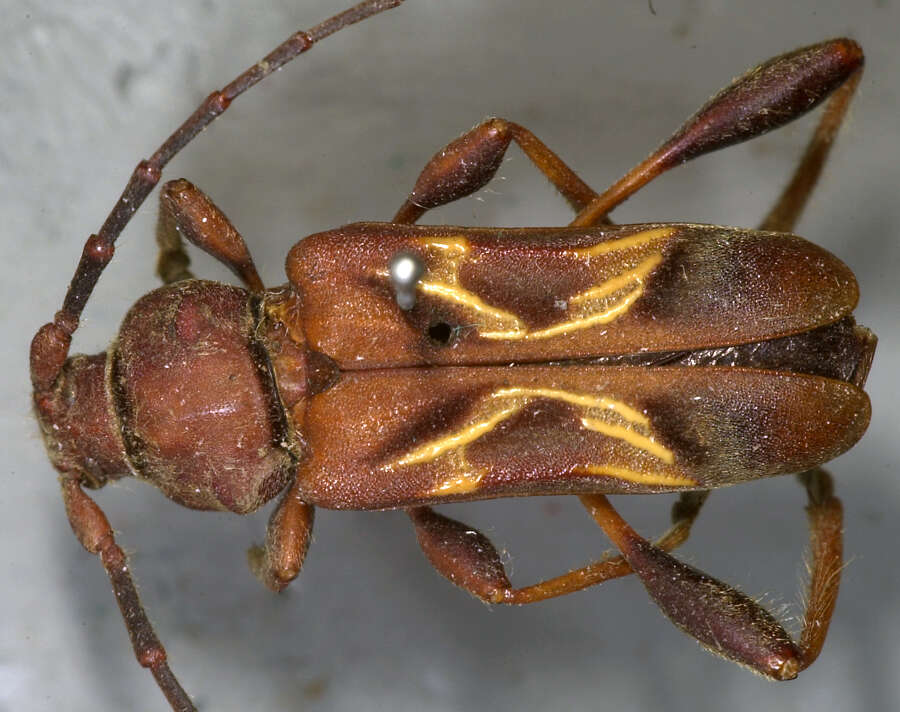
{"x": 86, "y": 89}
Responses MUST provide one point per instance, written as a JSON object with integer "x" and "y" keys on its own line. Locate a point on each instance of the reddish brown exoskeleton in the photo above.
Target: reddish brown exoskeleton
{"x": 404, "y": 366}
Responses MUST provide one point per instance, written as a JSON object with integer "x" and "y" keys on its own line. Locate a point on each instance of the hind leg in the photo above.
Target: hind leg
{"x": 467, "y": 558}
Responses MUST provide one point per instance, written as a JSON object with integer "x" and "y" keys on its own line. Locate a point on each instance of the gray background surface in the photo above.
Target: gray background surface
{"x": 86, "y": 89}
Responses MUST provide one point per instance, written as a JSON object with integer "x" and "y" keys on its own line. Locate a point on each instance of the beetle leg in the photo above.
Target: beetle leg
{"x": 765, "y": 98}
{"x": 467, "y": 558}
{"x": 724, "y": 620}
{"x": 93, "y": 531}
{"x": 287, "y": 541}
{"x": 173, "y": 262}
{"x": 186, "y": 210}
{"x": 790, "y": 204}
{"x": 468, "y": 163}
{"x": 826, "y": 518}
{"x": 50, "y": 345}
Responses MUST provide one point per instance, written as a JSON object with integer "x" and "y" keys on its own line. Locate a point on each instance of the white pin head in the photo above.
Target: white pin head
{"x": 405, "y": 269}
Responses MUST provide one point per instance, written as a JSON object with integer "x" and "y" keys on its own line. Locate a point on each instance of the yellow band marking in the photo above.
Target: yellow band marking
{"x": 600, "y": 414}
{"x": 459, "y": 245}
{"x": 623, "y": 243}
{"x": 465, "y": 483}
{"x": 457, "y": 440}
{"x": 642, "y": 442}
{"x": 643, "y": 478}
{"x": 582, "y": 400}
{"x": 611, "y": 286}
{"x": 574, "y": 325}
{"x": 471, "y": 300}
{"x": 600, "y": 304}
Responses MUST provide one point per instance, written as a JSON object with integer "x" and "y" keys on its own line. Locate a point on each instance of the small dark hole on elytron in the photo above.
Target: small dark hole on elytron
{"x": 440, "y": 332}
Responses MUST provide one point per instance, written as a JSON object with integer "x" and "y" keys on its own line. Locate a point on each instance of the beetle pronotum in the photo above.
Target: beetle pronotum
{"x": 587, "y": 360}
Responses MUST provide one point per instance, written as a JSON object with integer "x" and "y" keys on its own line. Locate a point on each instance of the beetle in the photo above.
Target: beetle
{"x": 587, "y": 360}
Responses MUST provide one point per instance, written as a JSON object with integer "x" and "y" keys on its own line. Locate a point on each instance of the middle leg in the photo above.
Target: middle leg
{"x": 468, "y": 163}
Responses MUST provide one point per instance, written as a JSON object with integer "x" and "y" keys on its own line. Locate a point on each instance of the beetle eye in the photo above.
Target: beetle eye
{"x": 441, "y": 332}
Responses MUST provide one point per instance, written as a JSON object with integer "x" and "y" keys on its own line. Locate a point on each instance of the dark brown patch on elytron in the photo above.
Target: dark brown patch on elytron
{"x": 690, "y": 429}
{"x": 506, "y": 279}
{"x": 661, "y": 297}
{"x": 546, "y": 420}
{"x": 430, "y": 425}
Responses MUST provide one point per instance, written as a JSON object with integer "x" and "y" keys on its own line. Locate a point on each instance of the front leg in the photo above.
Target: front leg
{"x": 50, "y": 345}
{"x": 186, "y": 210}
{"x": 93, "y": 531}
{"x": 287, "y": 541}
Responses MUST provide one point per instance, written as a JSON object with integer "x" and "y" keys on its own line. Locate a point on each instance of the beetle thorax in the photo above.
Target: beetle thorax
{"x": 186, "y": 398}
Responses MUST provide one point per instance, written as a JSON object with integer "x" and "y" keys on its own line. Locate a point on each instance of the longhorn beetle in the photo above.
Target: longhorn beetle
{"x": 404, "y": 366}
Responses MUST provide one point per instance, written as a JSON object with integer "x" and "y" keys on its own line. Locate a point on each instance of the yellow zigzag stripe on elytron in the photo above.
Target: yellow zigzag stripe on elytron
{"x": 580, "y": 399}
{"x": 466, "y": 482}
{"x": 623, "y": 243}
{"x": 459, "y": 439}
{"x": 472, "y": 301}
{"x": 632, "y": 438}
{"x": 611, "y": 286}
{"x": 643, "y": 478}
{"x": 506, "y": 402}
{"x": 574, "y": 324}
{"x": 590, "y": 307}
